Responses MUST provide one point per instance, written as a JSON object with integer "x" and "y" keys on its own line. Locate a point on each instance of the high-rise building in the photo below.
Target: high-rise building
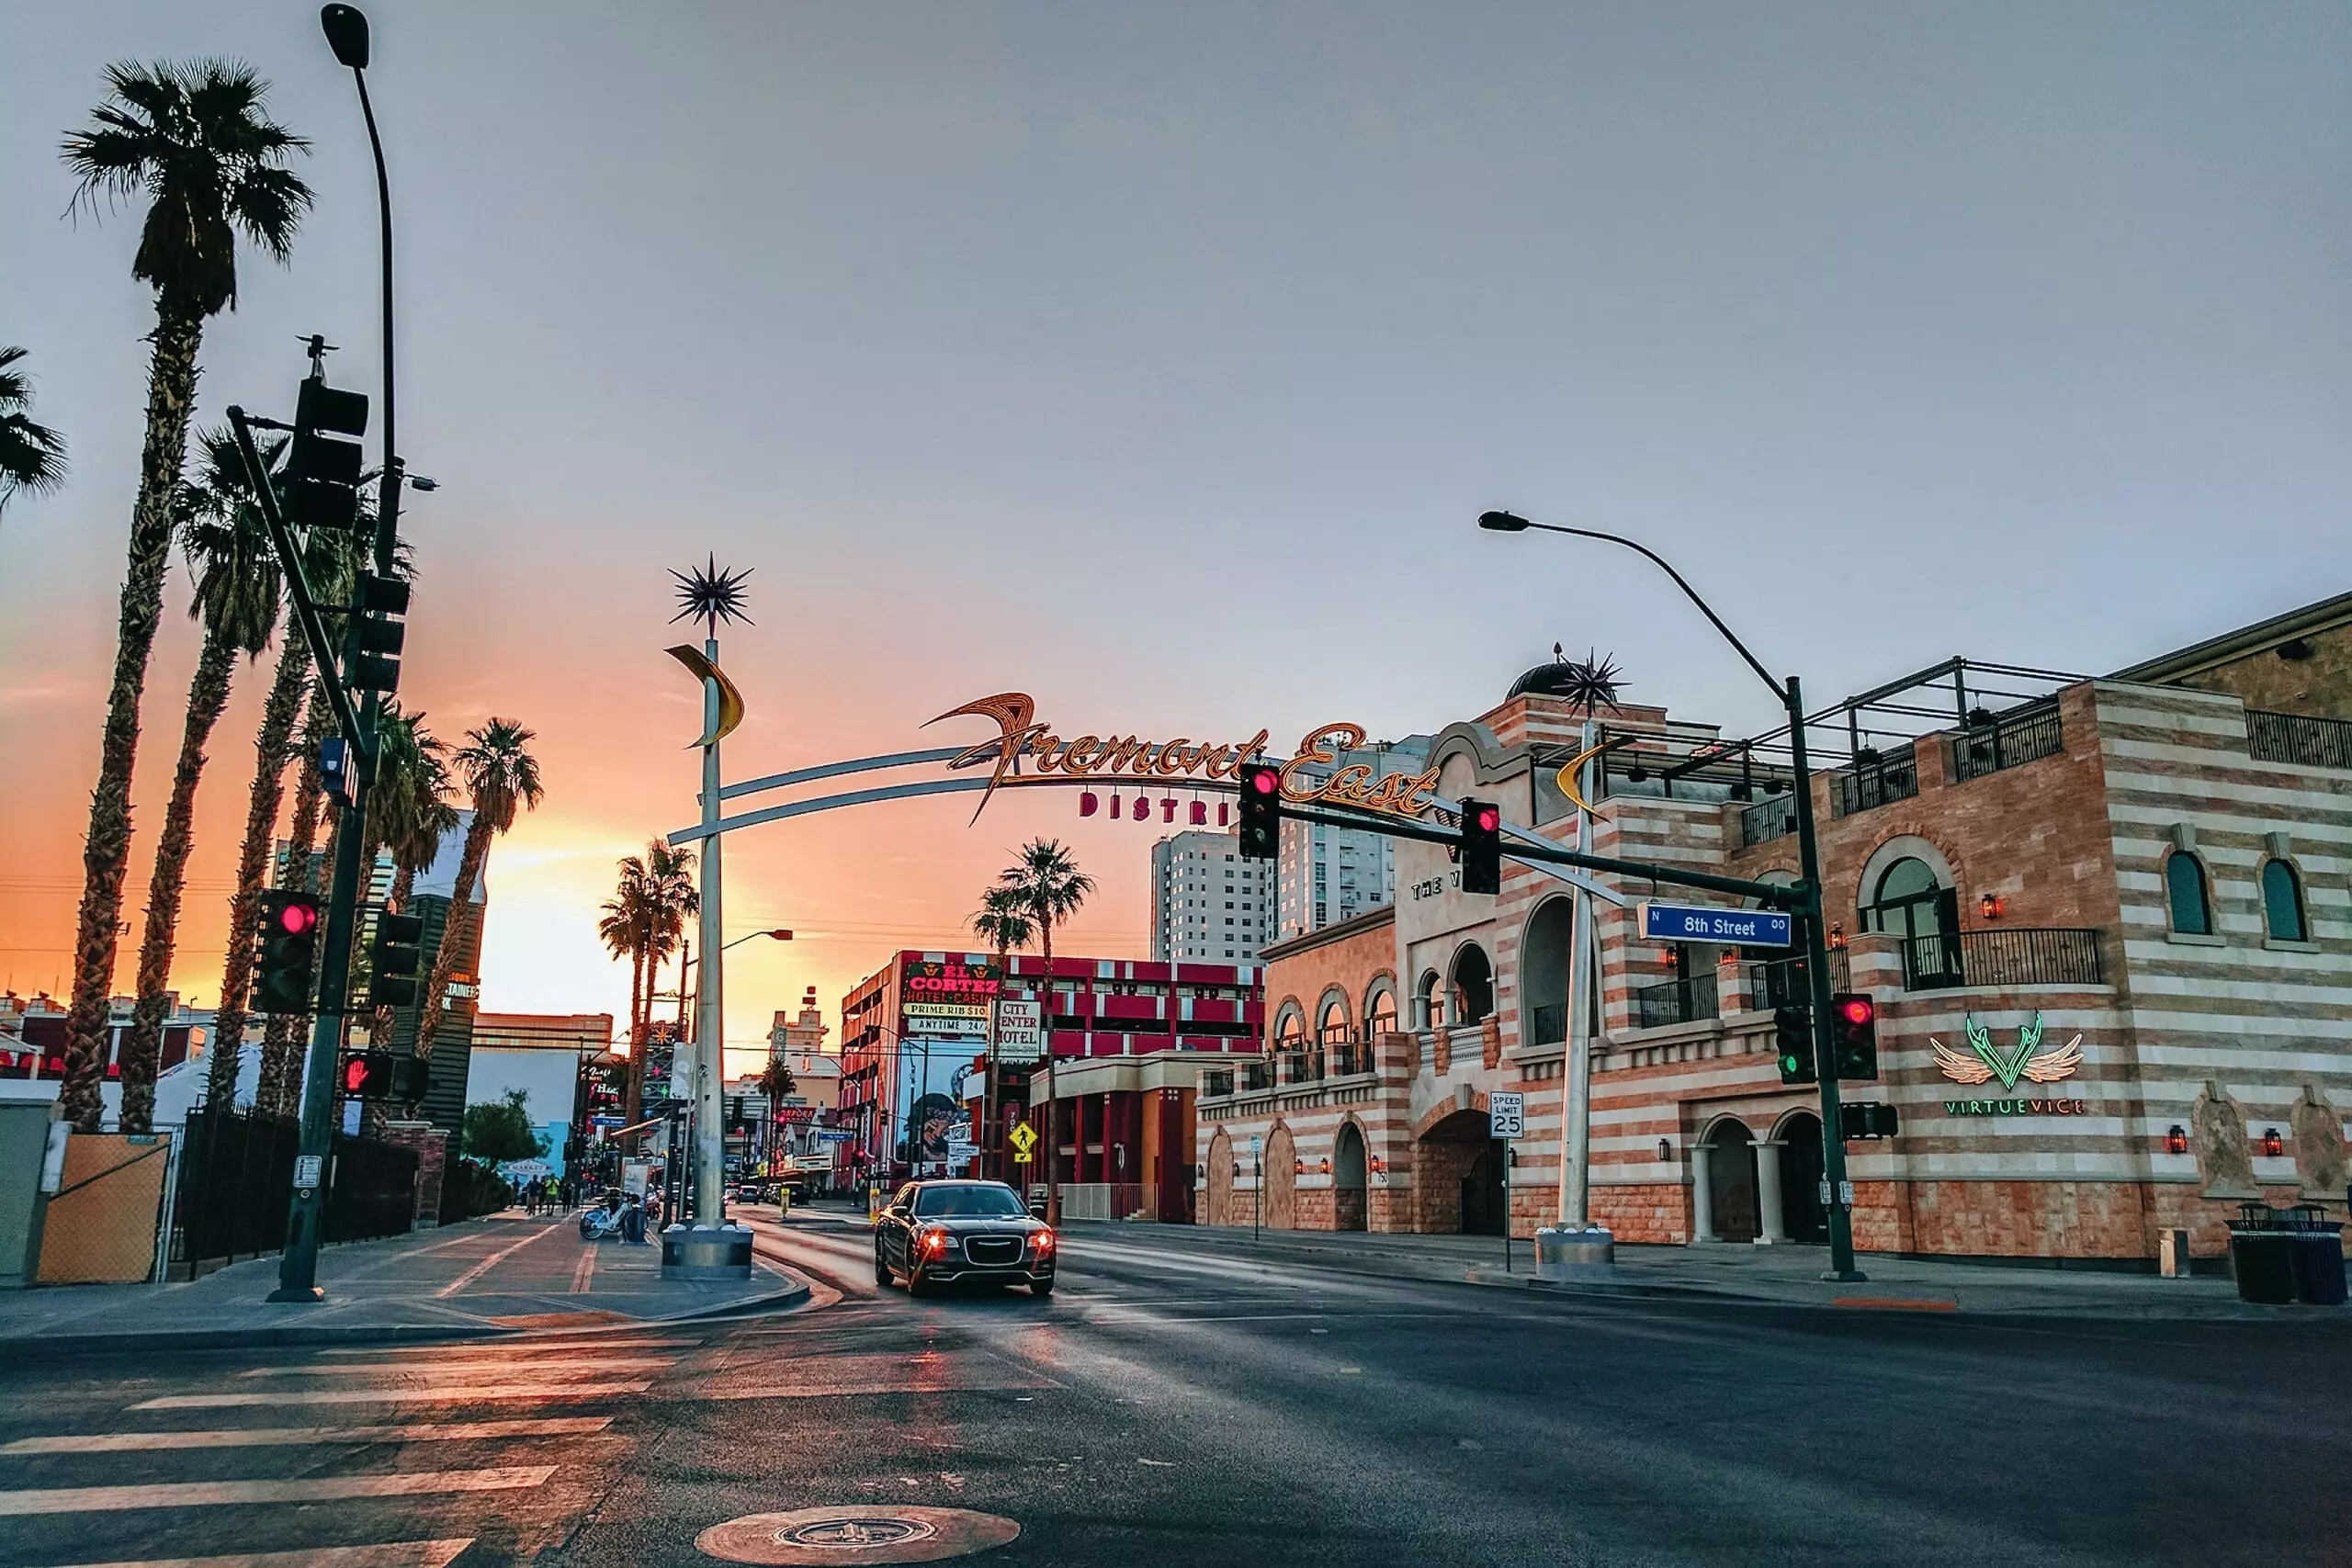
{"x": 1330, "y": 874}
{"x": 1208, "y": 905}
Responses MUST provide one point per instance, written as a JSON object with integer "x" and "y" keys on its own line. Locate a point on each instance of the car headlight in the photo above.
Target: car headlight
{"x": 1043, "y": 1241}
{"x": 935, "y": 1241}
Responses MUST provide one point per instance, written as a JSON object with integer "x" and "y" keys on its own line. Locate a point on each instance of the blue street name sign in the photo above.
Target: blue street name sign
{"x": 1688, "y": 922}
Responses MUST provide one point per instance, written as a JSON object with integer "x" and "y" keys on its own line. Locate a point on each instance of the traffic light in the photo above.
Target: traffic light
{"x": 289, "y": 940}
{"x": 334, "y": 768}
{"x": 1860, "y": 1120}
{"x": 1262, "y": 811}
{"x": 373, "y": 662}
{"x": 1853, "y": 1026}
{"x": 1793, "y": 1035}
{"x": 392, "y": 961}
{"x": 1481, "y": 849}
{"x": 367, "y": 1075}
{"x": 411, "y": 1076}
{"x": 322, "y": 471}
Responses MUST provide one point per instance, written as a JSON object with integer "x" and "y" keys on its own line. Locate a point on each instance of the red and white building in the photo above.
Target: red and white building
{"x": 2135, "y": 892}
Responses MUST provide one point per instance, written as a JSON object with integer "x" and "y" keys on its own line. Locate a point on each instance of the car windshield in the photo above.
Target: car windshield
{"x": 936, "y": 1202}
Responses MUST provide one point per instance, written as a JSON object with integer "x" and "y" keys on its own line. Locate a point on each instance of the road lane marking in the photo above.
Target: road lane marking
{"x": 316, "y": 1489}
{"x": 584, "y": 1271}
{"x": 487, "y": 1264}
{"x": 540, "y": 1366}
{"x": 505, "y": 1349}
{"x": 392, "y": 1554}
{"x": 282, "y": 1437}
{"x": 552, "y": 1391}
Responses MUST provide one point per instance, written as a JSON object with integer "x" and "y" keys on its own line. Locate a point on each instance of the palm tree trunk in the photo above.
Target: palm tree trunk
{"x": 1053, "y": 1098}
{"x": 454, "y": 932}
{"x": 272, "y": 744}
{"x": 208, "y": 693}
{"x": 282, "y": 1050}
{"x": 633, "y": 1098}
{"x": 106, "y": 853}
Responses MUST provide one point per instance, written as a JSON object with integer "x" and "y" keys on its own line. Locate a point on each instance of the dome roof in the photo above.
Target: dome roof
{"x": 1588, "y": 682}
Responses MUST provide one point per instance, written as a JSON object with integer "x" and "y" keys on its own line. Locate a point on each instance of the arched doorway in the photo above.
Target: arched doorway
{"x": 1731, "y": 1180}
{"x": 1219, "y": 1200}
{"x": 1458, "y": 1175}
{"x": 1350, "y": 1210}
{"x": 1544, "y": 975}
{"x": 1802, "y": 1214}
{"x": 1472, "y": 985}
{"x": 1282, "y": 1181}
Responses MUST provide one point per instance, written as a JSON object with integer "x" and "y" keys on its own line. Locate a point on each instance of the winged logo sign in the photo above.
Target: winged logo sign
{"x": 1984, "y": 1061}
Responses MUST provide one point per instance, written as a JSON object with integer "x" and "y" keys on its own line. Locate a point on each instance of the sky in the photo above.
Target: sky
{"x": 1157, "y": 361}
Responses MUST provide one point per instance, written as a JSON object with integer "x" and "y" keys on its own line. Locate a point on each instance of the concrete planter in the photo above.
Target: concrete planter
{"x": 1574, "y": 1254}
{"x": 706, "y": 1253}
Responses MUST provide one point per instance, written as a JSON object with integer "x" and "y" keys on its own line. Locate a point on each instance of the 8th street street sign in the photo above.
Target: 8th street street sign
{"x": 1693, "y": 922}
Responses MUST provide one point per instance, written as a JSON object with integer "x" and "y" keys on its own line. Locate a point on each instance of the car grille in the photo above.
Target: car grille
{"x": 991, "y": 1250}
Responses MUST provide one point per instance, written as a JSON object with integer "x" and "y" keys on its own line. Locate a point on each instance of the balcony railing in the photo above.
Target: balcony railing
{"x": 2291, "y": 738}
{"x": 2020, "y": 955}
{"x": 1301, "y": 1067}
{"x": 1875, "y": 779}
{"x": 1675, "y": 1001}
{"x": 1782, "y": 983}
{"x": 2027, "y": 735}
{"x": 1774, "y": 816}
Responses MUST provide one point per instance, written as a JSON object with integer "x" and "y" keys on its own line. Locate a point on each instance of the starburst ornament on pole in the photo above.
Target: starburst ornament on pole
{"x": 712, "y": 595}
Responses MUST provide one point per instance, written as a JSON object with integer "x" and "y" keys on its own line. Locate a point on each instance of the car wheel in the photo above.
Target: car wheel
{"x": 882, "y": 1275}
{"x": 1041, "y": 1289}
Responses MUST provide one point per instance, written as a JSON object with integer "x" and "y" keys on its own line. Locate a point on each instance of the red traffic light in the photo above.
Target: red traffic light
{"x": 1490, "y": 819}
{"x": 1265, "y": 781}
{"x": 294, "y": 919}
{"x": 1858, "y": 1010}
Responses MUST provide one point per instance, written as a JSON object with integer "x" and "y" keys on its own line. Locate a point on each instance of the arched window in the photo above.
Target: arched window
{"x": 1334, "y": 1025}
{"x": 2282, "y": 902}
{"x": 1909, "y": 903}
{"x": 1380, "y": 1011}
{"x": 1474, "y": 984}
{"x": 1428, "y": 1003}
{"x": 2192, "y": 907}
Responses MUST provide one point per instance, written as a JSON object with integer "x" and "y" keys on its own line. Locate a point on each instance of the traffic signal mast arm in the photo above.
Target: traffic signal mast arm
{"x": 1795, "y": 897}
{"x": 298, "y": 584}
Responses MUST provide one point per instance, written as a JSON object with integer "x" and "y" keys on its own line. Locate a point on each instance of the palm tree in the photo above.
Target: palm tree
{"x": 501, "y": 778}
{"x": 409, "y": 814}
{"x": 1050, "y": 883}
{"x": 623, "y": 932}
{"x": 194, "y": 140}
{"x": 1004, "y": 924}
{"x": 32, "y": 456}
{"x": 669, "y": 900}
{"x": 237, "y": 590}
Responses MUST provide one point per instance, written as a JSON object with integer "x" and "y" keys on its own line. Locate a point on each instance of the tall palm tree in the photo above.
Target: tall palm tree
{"x": 1004, "y": 924}
{"x": 501, "y": 778}
{"x": 669, "y": 900}
{"x": 195, "y": 141}
{"x": 623, "y": 931}
{"x": 1048, "y": 882}
{"x": 409, "y": 814}
{"x": 32, "y": 456}
{"x": 238, "y": 586}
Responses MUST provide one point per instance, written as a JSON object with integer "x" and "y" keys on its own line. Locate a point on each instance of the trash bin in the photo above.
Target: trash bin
{"x": 2262, "y": 1255}
{"x": 2316, "y": 1254}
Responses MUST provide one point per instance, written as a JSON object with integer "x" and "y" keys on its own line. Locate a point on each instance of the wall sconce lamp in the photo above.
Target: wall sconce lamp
{"x": 2176, "y": 1139}
{"x": 1237, "y": 1171}
{"x": 1298, "y": 1167}
{"x": 1379, "y": 1166}
{"x": 1836, "y": 937}
{"x": 1665, "y": 1149}
{"x": 1990, "y": 905}
{"x": 2273, "y": 1145}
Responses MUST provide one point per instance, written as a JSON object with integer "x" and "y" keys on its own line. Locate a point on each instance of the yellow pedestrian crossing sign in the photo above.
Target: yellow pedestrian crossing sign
{"x": 1024, "y": 1138}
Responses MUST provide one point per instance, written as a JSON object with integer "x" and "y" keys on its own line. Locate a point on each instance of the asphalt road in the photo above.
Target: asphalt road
{"x": 1168, "y": 1409}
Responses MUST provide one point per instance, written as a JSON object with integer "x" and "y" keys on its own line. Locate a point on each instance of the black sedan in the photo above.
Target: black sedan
{"x": 936, "y": 1232}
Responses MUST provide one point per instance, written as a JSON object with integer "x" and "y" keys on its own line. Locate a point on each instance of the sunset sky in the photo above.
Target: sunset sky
{"x": 1157, "y": 360}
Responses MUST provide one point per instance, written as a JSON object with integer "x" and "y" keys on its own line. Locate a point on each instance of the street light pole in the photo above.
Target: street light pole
{"x": 298, "y": 1267}
{"x": 1790, "y": 696}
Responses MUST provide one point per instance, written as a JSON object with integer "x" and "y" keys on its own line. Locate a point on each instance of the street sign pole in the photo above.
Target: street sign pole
{"x": 1817, "y": 966}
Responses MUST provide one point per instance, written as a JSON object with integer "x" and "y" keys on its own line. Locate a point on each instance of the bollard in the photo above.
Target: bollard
{"x": 707, "y": 1252}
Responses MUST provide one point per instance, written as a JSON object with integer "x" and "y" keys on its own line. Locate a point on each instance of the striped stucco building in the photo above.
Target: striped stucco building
{"x": 2106, "y": 923}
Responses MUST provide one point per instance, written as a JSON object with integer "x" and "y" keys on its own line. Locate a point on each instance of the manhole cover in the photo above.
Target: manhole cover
{"x": 855, "y": 1535}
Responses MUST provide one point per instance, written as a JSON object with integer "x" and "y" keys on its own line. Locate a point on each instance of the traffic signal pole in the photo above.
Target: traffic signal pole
{"x": 1816, "y": 969}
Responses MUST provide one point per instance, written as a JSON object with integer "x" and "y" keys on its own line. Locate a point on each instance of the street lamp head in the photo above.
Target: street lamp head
{"x": 781, "y": 935}
{"x": 346, "y": 30}
{"x": 1502, "y": 522}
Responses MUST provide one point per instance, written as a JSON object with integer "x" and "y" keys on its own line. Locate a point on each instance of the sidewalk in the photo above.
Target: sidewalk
{"x": 1786, "y": 1275}
{"x": 498, "y": 1275}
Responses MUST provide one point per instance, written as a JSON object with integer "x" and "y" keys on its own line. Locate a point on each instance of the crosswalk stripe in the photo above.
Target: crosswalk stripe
{"x": 280, "y": 1436}
{"x": 392, "y": 1554}
{"x": 458, "y": 1395}
{"x": 316, "y": 1489}
{"x": 504, "y": 1350}
{"x": 557, "y": 1368}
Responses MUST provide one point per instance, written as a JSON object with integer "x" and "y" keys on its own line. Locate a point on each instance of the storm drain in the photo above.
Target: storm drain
{"x": 855, "y": 1535}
